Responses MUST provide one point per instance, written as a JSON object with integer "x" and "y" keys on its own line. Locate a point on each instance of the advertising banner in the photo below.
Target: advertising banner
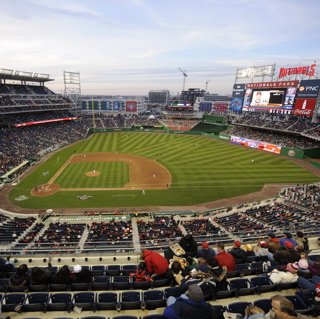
{"x": 220, "y": 107}
{"x": 131, "y": 106}
{"x": 263, "y": 146}
{"x": 266, "y": 85}
{"x": 205, "y": 106}
{"x": 259, "y": 71}
{"x": 304, "y": 107}
{"x": 308, "y": 89}
{"x": 238, "y": 90}
{"x": 236, "y": 104}
{"x": 301, "y": 70}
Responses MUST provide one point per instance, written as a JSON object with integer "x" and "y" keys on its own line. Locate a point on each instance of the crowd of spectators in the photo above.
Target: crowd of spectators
{"x": 280, "y": 139}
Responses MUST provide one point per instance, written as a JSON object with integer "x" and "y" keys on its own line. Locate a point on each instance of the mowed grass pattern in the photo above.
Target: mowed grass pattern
{"x": 203, "y": 169}
{"x": 112, "y": 174}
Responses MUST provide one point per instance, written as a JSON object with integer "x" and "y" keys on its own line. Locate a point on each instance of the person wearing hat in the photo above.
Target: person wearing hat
{"x": 283, "y": 277}
{"x": 273, "y": 243}
{"x": 206, "y": 252}
{"x": 238, "y": 253}
{"x": 287, "y": 238}
{"x": 286, "y": 254}
{"x": 190, "y": 305}
{"x": 79, "y": 274}
{"x": 156, "y": 264}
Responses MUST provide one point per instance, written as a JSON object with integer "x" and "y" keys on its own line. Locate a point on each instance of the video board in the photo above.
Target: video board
{"x": 269, "y": 96}
{"x": 263, "y": 146}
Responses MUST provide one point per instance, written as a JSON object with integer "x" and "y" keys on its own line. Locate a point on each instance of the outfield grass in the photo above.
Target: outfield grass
{"x": 202, "y": 169}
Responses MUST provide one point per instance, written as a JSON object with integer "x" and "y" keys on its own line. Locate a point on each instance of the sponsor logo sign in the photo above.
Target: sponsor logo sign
{"x": 238, "y": 90}
{"x": 308, "y": 89}
{"x": 301, "y": 70}
{"x": 304, "y": 107}
{"x": 259, "y": 71}
{"x": 266, "y": 85}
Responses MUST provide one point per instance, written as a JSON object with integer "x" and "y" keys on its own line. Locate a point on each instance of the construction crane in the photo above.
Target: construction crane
{"x": 207, "y": 85}
{"x": 184, "y": 73}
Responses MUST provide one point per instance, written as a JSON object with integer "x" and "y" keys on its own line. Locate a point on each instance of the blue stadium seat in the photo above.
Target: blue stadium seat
{"x": 238, "y": 307}
{"x": 60, "y": 301}
{"x": 130, "y": 300}
{"x": 154, "y": 299}
{"x": 107, "y": 301}
{"x": 299, "y": 304}
{"x": 36, "y": 301}
{"x": 262, "y": 284}
{"x": 264, "y": 304}
{"x": 128, "y": 269}
{"x": 100, "y": 283}
{"x": 10, "y": 301}
{"x": 141, "y": 285}
{"x": 121, "y": 283}
{"x": 113, "y": 270}
{"x": 241, "y": 287}
{"x": 84, "y": 300}
{"x": 98, "y": 270}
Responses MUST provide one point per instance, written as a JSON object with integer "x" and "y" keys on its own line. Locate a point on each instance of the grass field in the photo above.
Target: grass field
{"x": 202, "y": 170}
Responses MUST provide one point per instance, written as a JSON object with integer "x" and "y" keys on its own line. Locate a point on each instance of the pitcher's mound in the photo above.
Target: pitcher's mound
{"x": 93, "y": 173}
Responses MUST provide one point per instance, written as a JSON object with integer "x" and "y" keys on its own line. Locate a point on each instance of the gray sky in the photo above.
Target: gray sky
{"x": 133, "y": 46}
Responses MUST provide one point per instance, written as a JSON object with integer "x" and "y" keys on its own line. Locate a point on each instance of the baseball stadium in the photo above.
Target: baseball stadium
{"x": 111, "y": 205}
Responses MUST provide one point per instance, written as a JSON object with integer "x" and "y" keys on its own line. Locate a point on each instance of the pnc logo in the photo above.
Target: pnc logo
{"x": 312, "y": 88}
{"x": 301, "y": 88}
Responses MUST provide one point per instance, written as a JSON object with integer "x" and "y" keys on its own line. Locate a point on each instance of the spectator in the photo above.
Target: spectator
{"x": 190, "y": 305}
{"x": 224, "y": 258}
{"x": 40, "y": 276}
{"x": 140, "y": 274}
{"x": 156, "y": 264}
{"x": 254, "y": 312}
{"x": 238, "y": 253}
{"x": 302, "y": 241}
{"x": 206, "y": 252}
{"x": 287, "y": 238}
{"x": 273, "y": 243}
{"x": 20, "y": 280}
{"x": 189, "y": 245}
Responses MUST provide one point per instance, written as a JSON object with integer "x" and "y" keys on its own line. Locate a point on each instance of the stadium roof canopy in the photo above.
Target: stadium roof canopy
{"x": 6, "y": 74}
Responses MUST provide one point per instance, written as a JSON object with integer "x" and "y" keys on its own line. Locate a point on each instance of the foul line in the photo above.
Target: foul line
{"x": 56, "y": 175}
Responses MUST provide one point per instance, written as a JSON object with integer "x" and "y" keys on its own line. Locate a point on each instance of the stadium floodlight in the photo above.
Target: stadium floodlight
{"x": 184, "y": 73}
{"x": 207, "y": 84}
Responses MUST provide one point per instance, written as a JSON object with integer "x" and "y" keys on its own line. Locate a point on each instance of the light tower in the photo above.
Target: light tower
{"x": 184, "y": 73}
{"x": 207, "y": 85}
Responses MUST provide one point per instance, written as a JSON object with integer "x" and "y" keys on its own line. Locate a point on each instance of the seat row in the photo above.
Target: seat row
{"x": 149, "y": 300}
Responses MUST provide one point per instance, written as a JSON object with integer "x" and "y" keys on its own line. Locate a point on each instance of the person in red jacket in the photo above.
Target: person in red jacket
{"x": 156, "y": 264}
{"x": 224, "y": 258}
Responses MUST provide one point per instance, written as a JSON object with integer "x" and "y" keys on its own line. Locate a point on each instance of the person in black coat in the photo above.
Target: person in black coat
{"x": 189, "y": 245}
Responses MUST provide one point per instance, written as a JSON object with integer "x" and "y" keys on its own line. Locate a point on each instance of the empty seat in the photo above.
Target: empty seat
{"x": 60, "y": 301}
{"x": 141, "y": 285}
{"x": 113, "y": 270}
{"x": 98, "y": 270}
{"x": 241, "y": 287}
{"x": 36, "y": 301}
{"x": 80, "y": 286}
{"x": 121, "y": 283}
{"x": 299, "y": 304}
{"x": 107, "y": 301}
{"x": 10, "y": 301}
{"x": 154, "y": 299}
{"x": 59, "y": 287}
{"x": 84, "y": 300}
{"x": 130, "y": 300}
{"x": 100, "y": 283}
{"x": 262, "y": 284}
{"x": 128, "y": 269}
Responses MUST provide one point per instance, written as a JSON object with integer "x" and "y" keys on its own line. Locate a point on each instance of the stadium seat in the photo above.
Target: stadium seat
{"x": 10, "y": 301}
{"x": 58, "y": 287}
{"x": 80, "y": 286}
{"x": 154, "y": 299}
{"x": 84, "y": 300}
{"x": 256, "y": 267}
{"x": 307, "y": 296}
{"x": 125, "y": 317}
{"x": 241, "y": 287}
{"x": 4, "y": 284}
{"x": 93, "y": 317}
{"x": 36, "y": 301}
{"x": 121, "y": 283}
{"x": 238, "y": 307}
{"x": 262, "y": 284}
{"x": 100, "y": 283}
{"x": 299, "y": 304}
{"x": 160, "y": 282}
{"x": 130, "y": 300}
{"x": 128, "y": 269}
{"x": 141, "y": 285}
{"x": 107, "y": 301}
{"x": 264, "y": 304}
{"x": 223, "y": 293}
{"x": 60, "y": 301}
{"x": 38, "y": 288}
{"x": 154, "y": 317}
{"x": 173, "y": 291}
{"x": 98, "y": 270}
{"x": 113, "y": 270}
{"x": 219, "y": 310}
{"x": 245, "y": 269}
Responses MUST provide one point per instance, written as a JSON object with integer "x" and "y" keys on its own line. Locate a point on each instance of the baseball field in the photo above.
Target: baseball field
{"x": 141, "y": 169}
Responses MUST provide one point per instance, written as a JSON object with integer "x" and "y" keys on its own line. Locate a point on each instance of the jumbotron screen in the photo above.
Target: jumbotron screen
{"x": 273, "y": 97}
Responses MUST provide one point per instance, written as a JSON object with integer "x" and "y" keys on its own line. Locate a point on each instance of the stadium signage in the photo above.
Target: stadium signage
{"x": 302, "y": 70}
{"x": 259, "y": 71}
{"x": 46, "y": 121}
{"x": 272, "y": 84}
{"x": 308, "y": 89}
{"x": 304, "y": 107}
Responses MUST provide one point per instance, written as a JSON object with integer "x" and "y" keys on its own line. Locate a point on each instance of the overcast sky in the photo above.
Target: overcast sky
{"x": 133, "y": 46}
